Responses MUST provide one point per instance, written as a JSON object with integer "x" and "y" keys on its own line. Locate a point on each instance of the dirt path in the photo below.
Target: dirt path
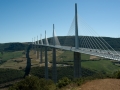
{"x": 93, "y": 57}
{"x": 101, "y": 84}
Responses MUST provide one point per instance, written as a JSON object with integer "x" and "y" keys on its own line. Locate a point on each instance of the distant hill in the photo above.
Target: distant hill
{"x": 13, "y": 46}
{"x": 64, "y": 40}
{"x": 70, "y": 40}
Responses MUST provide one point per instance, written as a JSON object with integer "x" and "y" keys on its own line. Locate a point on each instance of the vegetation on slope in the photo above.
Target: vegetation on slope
{"x": 12, "y": 47}
{"x": 4, "y": 56}
{"x": 66, "y": 71}
{"x": 104, "y": 66}
{"x": 33, "y": 83}
{"x": 70, "y": 40}
{"x": 7, "y": 75}
{"x": 90, "y": 68}
{"x": 64, "y": 40}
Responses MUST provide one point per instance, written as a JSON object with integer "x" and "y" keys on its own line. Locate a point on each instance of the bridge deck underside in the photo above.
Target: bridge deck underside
{"x": 114, "y": 55}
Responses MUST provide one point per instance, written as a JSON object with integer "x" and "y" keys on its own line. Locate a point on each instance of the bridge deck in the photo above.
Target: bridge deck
{"x": 110, "y": 54}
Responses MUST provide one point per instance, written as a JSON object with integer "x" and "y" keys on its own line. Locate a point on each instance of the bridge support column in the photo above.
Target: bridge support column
{"x": 41, "y": 49}
{"x": 41, "y": 54}
{"x": 37, "y": 48}
{"x": 46, "y": 64}
{"x": 77, "y": 55}
{"x": 34, "y": 46}
{"x": 54, "y": 76}
{"x": 77, "y": 65}
{"x": 37, "y": 52}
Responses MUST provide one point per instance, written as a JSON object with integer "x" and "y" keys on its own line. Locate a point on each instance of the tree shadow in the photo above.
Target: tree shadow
{"x": 28, "y": 66}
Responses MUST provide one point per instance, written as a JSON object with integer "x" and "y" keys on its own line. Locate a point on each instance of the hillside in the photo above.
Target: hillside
{"x": 12, "y": 46}
{"x": 64, "y": 40}
{"x": 69, "y": 41}
{"x": 92, "y": 67}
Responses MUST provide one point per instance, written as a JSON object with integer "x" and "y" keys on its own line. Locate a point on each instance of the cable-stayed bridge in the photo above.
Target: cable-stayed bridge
{"x": 88, "y": 44}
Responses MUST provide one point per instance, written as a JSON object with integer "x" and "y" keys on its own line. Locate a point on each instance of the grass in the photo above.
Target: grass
{"x": 65, "y": 56}
{"x": 9, "y": 60}
{"x": 68, "y": 56}
{"x": 10, "y": 55}
{"x": 105, "y": 66}
{"x": 85, "y": 56}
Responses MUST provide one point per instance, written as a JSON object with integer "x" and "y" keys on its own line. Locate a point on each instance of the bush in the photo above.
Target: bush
{"x": 116, "y": 74}
{"x": 79, "y": 81}
{"x": 20, "y": 67}
{"x": 33, "y": 83}
{"x": 63, "y": 82}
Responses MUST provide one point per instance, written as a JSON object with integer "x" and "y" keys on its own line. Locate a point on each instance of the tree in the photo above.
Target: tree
{"x": 2, "y": 52}
{"x": 34, "y": 83}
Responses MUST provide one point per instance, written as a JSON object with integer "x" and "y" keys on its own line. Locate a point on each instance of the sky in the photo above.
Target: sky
{"x": 22, "y": 20}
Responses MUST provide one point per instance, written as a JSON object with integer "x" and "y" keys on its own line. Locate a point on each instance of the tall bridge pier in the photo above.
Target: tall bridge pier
{"x": 46, "y": 59}
{"x": 77, "y": 55}
{"x": 34, "y": 46}
{"x": 54, "y": 74}
{"x": 41, "y": 54}
{"x": 37, "y": 49}
{"x": 41, "y": 60}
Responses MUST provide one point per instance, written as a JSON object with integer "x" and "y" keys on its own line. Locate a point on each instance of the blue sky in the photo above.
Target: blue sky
{"x": 22, "y": 20}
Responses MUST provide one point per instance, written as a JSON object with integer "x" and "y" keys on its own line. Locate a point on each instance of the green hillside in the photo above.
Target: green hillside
{"x": 70, "y": 40}
{"x": 12, "y": 46}
{"x": 4, "y": 56}
{"x": 64, "y": 40}
{"x": 104, "y": 65}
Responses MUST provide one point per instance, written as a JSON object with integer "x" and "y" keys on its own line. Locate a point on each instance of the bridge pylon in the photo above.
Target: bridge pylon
{"x": 77, "y": 55}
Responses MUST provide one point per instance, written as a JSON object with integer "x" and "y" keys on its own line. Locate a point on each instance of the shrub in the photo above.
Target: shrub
{"x": 79, "y": 81}
{"x": 33, "y": 83}
{"x": 63, "y": 82}
{"x": 116, "y": 74}
{"x": 20, "y": 67}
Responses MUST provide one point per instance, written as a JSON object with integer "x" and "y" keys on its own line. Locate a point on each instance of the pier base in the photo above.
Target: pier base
{"x": 77, "y": 65}
{"x": 41, "y": 54}
{"x": 54, "y": 76}
{"x": 46, "y": 64}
